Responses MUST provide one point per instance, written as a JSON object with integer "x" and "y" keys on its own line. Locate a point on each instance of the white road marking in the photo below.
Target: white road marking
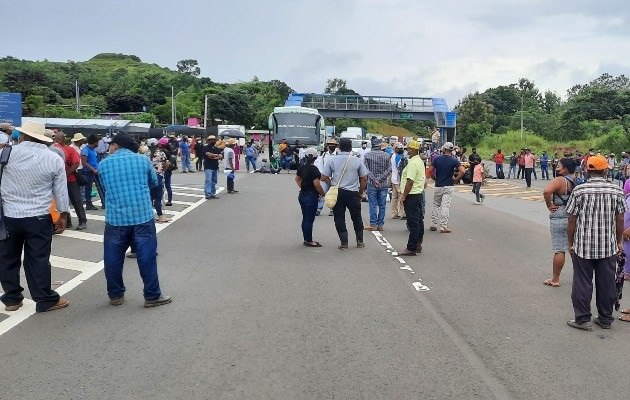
{"x": 87, "y": 269}
{"x": 419, "y": 286}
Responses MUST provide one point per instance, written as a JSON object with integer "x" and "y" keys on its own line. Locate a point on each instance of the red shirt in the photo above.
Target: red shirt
{"x": 71, "y": 158}
{"x": 498, "y": 158}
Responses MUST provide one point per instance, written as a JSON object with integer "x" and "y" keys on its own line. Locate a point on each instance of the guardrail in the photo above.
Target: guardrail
{"x": 365, "y": 106}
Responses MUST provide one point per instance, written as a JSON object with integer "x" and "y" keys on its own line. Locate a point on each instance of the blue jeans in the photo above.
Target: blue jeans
{"x": 320, "y": 203}
{"x": 157, "y": 194}
{"x": 248, "y": 160}
{"x": 308, "y": 203}
{"x": 511, "y": 171}
{"x": 167, "y": 184}
{"x": 210, "y": 184}
{"x": 92, "y": 178}
{"x": 499, "y": 167}
{"x": 544, "y": 171}
{"x": 116, "y": 241}
{"x": 186, "y": 166}
{"x": 377, "y": 197}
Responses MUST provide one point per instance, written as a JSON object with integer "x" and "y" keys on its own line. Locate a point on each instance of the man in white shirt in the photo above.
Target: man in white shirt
{"x": 331, "y": 150}
{"x": 228, "y": 164}
{"x": 398, "y": 212}
{"x": 361, "y": 152}
{"x": 31, "y": 178}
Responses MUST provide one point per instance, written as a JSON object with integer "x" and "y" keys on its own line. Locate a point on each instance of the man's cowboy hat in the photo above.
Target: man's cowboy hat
{"x": 36, "y": 130}
{"x": 77, "y": 137}
{"x": 331, "y": 141}
{"x": 211, "y": 137}
{"x": 231, "y": 141}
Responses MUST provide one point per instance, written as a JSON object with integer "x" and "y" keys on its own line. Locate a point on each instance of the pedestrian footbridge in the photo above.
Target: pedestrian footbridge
{"x": 377, "y": 107}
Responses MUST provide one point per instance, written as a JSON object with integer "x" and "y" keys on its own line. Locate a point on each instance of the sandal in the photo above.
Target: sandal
{"x": 313, "y": 244}
{"x": 625, "y": 318}
{"x": 626, "y": 311}
{"x": 552, "y": 284}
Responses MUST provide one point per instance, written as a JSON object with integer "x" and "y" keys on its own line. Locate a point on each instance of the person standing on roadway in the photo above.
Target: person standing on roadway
{"x": 350, "y": 173}
{"x": 331, "y": 150}
{"x": 398, "y": 156}
{"x": 229, "y": 158}
{"x": 596, "y": 209}
{"x": 530, "y": 163}
{"x": 250, "y": 156}
{"x": 379, "y": 167}
{"x": 72, "y": 162}
{"x": 443, "y": 168}
{"x": 32, "y": 177}
{"x": 211, "y": 157}
{"x": 128, "y": 178}
{"x": 308, "y": 180}
{"x": 414, "y": 179}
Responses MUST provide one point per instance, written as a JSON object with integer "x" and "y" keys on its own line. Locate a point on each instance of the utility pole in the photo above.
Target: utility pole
{"x": 76, "y": 89}
{"x": 522, "y": 102}
{"x": 172, "y": 105}
{"x": 205, "y": 113}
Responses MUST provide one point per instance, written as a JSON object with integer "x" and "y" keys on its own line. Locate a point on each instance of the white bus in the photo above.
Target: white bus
{"x": 297, "y": 123}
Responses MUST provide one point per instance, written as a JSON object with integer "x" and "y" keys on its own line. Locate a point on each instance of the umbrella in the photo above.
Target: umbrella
{"x": 176, "y": 128}
{"x": 621, "y": 262}
{"x": 233, "y": 133}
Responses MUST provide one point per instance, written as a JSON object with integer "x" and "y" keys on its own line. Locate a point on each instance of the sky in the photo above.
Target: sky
{"x": 410, "y": 48}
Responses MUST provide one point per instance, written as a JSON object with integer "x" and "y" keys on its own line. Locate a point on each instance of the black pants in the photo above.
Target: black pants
{"x": 415, "y": 220}
{"x": 528, "y": 176}
{"x": 230, "y": 184}
{"x": 34, "y": 236}
{"x": 74, "y": 192}
{"x": 521, "y": 172}
{"x": 351, "y": 201}
{"x": 605, "y": 288}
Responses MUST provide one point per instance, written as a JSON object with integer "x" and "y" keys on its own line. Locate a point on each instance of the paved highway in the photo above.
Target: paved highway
{"x": 256, "y": 315}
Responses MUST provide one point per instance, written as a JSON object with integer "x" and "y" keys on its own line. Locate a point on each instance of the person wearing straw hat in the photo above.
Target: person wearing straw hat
{"x": 72, "y": 161}
{"x": 26, "y": 203}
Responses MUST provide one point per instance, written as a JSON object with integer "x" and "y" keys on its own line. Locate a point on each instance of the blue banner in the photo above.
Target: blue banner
{"x": 11, "y": 108}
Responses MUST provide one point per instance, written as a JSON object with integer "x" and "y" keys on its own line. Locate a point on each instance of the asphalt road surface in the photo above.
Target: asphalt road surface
{"x": 256, "y": 315}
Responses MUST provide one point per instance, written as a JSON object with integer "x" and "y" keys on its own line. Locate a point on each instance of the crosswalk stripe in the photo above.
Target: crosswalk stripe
{"x": 71, "y": 263}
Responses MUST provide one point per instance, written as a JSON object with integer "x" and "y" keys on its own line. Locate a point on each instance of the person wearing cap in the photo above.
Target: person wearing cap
{"x": 595, "y": 229}
{"x": 443, "y": 168}
{"x": 229, "y": 164}
{"x": 363, "y": 150}
{"x": 184, "y": 153}
{"x": 413, "y": 179}
{"x": 544, "y": 165}
{"x": 102, "y": 148}
{"x": 128, "y": 178}
{"x": 379, "y": 167}
{"x": 72, "y": 162}
{"x": 31, "y": 179}
{"x": 397, "y": 160}
{"x": 331, "y": 150}
{"x": 308, "y": 180}
{"x": 351, "y": 184}
{"x": 89, "y": 160}
{"x": 211, "y": 157}
{"x": 530, "y": 163}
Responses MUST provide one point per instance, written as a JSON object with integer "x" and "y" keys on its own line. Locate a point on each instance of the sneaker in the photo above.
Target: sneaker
{"x": 585, "y": 326}
{"x": 600, "y": 323}
{"x": 168, "y": 203}
{"x": 433, "y": 228}
{"x": 318, "y": 212}
{"x": 360, "y": 244}
{"x": 116, "y": 301}
{"x": 14, "y": 307}
{"x": 81, "y": 227}
{"x": 483, "y": 197}
{"x": 91, "y": 207}
{"x": 214, "y": 196}
{"x": 157, "y": 302}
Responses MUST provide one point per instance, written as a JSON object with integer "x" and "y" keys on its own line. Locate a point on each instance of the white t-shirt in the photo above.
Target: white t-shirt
{"x": 228, "y": 154}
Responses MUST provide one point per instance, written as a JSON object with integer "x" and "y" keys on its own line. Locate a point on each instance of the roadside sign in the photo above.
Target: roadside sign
{"x": 11, "y": 108}
{"x": 406, "y": 115}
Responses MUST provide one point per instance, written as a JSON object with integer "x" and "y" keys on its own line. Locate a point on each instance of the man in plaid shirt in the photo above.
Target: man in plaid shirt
{"x": 379, "y": 166}
{"x": 595, "y": 231}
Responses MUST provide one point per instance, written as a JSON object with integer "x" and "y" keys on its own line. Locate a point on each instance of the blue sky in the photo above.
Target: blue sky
{"x": 381, "y": 47}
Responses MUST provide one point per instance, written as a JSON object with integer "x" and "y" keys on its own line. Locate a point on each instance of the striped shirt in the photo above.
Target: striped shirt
{"x": 31, "y": 178}
{"x": 596, "y": 204}
{"x": 126, "y": 178}
{"x": 379, "y": 166}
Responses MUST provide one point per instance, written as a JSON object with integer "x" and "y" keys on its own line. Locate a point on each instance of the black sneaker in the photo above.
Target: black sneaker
{"x": 116, "y": 301}
{"x": 157, "y": 302}
{"x": 81, "y": 227}
{"x": 91, "y": 207}
{"x": 585, "y": 326}
{"x": 168, "y": 203}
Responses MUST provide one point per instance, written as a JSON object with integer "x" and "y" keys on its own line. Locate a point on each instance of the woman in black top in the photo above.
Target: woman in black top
{"x": 307, "y": 179}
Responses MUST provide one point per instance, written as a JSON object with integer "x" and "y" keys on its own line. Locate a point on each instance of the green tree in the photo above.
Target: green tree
{"x": 188, "y": 67}
{"x": 476, "y": 115}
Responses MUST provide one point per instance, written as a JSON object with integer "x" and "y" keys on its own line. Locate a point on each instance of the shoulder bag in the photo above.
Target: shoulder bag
{"x": 333, "y": 192}
{"x": 4, "y": 159}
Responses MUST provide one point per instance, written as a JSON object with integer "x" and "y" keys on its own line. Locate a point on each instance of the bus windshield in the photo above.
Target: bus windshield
{"x": 297, "y": 126}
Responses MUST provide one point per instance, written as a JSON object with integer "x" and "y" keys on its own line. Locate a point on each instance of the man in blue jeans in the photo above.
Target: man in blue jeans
{"x": 211, "y": 156}
{"x": 378, "y": 164}
{"x": 127, "y": 179}
{"x": 184, "y": 152}
{"x": 250, "y": 156}
{"x": 89, "y": 160}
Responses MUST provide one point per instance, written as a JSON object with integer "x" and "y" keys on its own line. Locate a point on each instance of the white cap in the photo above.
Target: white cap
{"x": 311, "y": 151}
{"x": 448, "y": 146}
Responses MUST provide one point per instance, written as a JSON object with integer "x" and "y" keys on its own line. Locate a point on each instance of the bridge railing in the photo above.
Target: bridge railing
{"x": 365, "y": 103}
